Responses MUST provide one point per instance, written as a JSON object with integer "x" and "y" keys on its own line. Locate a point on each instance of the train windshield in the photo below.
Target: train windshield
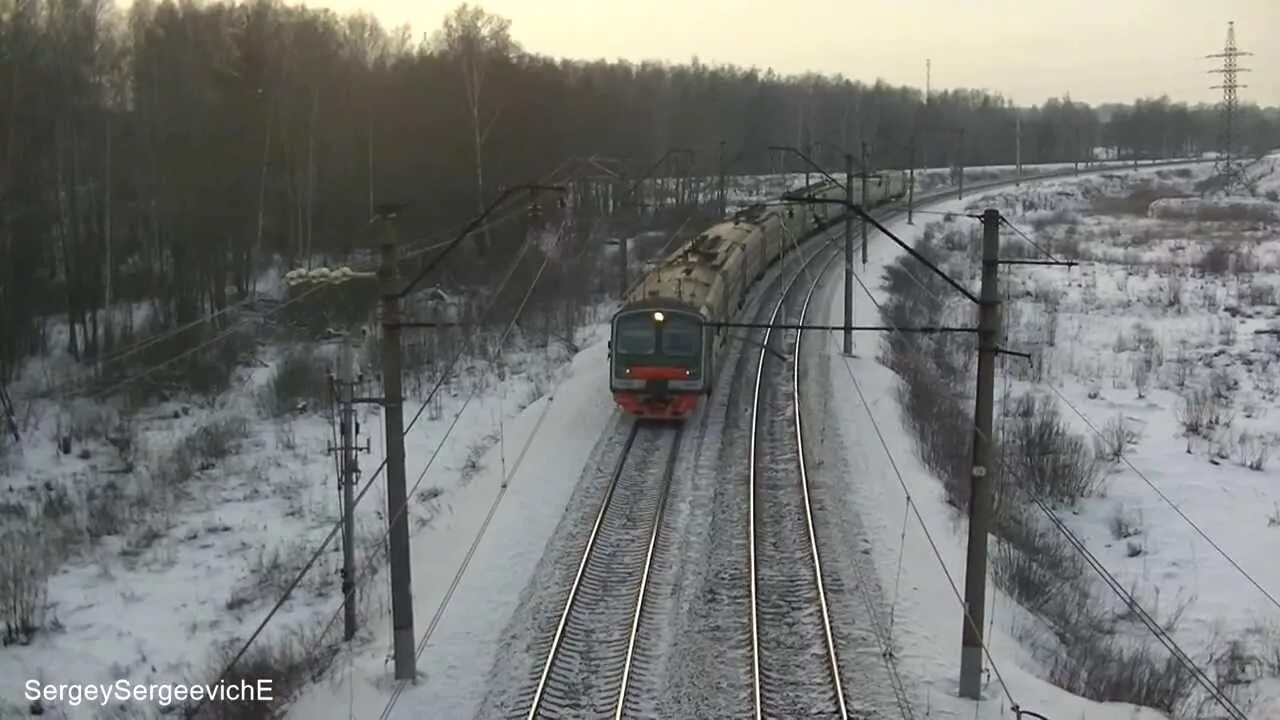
{"x": 681, "y": 336}
{"x": 634, "y": 335}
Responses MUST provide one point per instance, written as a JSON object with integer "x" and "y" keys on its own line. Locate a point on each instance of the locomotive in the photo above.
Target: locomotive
{"x": 662, "y": 355}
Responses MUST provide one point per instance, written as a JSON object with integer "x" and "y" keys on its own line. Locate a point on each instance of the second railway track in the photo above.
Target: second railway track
{"x": 590, "y": 659}
{"x": 796, "y": 671}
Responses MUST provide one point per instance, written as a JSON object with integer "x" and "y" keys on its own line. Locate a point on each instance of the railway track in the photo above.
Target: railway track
{"x": 599, "y": 647}
{"x": 590, "y": 659}
{"x": 795, "y": 666}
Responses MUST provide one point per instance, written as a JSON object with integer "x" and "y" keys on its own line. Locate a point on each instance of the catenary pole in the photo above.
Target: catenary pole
{"x": 980, "y": 479}
{"x": 393, "y": 404}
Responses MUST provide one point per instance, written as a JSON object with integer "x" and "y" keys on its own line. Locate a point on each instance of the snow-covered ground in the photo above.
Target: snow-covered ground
{"x": 1145, "y": 308}
{"x": 150, "y": 588}
{"x": 925, "y": 606}
{"x": 161, "y": 555}
{"x": 742, "y": 190}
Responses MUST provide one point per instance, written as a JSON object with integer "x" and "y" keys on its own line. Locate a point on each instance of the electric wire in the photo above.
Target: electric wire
{"x": 1161, "y": 635}
{"x": 320, "y": 549}
{"x": 1170, "y": 502}
{"x": 1163, "y": 497}
{"x": 924, "y": 526}
{"x": 400, "y": 686}
{"x": 445, "y": 375}
{"x": 68, "y": 388}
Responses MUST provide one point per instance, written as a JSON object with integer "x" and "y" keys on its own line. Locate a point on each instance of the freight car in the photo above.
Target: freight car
{"x": 662, "y": 356}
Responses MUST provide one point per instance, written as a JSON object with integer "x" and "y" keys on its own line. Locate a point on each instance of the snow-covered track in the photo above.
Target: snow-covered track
{"x": 795, "y": 668}
{"x": 590, "y": 658}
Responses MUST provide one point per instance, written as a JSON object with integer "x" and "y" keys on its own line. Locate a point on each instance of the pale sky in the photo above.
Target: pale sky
{"x": 1029, "y": 50}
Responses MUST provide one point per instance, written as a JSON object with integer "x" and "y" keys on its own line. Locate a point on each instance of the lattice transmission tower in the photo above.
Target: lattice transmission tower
{"x": 1230, "y": 67}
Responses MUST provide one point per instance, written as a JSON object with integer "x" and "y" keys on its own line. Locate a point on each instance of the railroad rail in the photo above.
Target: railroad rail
{"x": 795, "y": 666}
{"x": 795, "y": 660}
{"x": 589, "y": 663}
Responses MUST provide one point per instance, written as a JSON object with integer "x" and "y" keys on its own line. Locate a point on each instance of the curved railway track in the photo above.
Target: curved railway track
{"x": 590, "y": 658}
{"x": 599, "y": 645}
{"x": 795, "y": 666}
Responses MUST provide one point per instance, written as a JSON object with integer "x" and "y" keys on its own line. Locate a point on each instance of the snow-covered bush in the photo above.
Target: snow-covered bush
{"x": 300, "y": 382}
{"x": 24, "y": 577}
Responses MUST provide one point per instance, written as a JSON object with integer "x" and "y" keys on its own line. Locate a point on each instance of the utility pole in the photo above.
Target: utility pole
{"x": 1230, "y": 84}
{"x": 911, "y": 182}
{"x": 960, "y": 161}
{"x": 350, "y": 472}
{"x": 1017, "y": 132}
{"x": 1076, "y": 160}
{"x": 975, "y": 581}
{"x": 723, "y": 204}
{"x": 981, "y": 471}
{"x": 848, "y": 250}
{"x": 808, "y": 150}
{"x": 397, "y": 502}
{"x": 622, "y": 269}
{"x": 865, "y": 177}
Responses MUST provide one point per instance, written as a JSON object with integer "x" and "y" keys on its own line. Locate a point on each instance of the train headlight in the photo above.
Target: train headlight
{"x": 658, "y": 316}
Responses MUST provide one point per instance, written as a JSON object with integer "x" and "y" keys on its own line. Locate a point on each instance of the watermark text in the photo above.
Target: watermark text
{"x": 163, "y": 694}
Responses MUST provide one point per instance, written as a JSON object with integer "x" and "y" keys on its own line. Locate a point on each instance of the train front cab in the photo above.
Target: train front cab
{"x": 658, "y": 361}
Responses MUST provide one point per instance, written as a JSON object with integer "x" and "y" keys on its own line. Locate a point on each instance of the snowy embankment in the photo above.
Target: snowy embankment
{"x": 1154, "y": 331}
{"x": 168, "y": 532}
{"x": 547, "y": 445}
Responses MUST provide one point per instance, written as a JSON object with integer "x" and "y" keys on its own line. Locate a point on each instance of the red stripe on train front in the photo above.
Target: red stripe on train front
{"x": 656, "y": 372}
{"x": 671, "y": 407}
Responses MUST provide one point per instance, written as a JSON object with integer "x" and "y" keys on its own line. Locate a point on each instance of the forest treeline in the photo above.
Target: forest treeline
{"x": 166, "y": 154}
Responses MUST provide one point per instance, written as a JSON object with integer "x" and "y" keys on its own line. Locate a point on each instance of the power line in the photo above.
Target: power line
{"x": 1109, "y": 579}
{"x": 67, "y": 388}
{"x": 1230, "y": 68}
{"x": 338, "y": 525}
{"x": 911, "y": 502}
{"x": 71, "y": 387}
{"x": 1169, "y": 501}
{"x": 1005, "y": 221}
{"x": 449, "y": 369}
{"x": 395, "y": 696}
{"x": 1147, "y": 480}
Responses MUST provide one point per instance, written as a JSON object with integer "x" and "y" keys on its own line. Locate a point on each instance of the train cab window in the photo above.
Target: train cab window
{"x": 681, "y": 336}
{"x": 634, "y": 335}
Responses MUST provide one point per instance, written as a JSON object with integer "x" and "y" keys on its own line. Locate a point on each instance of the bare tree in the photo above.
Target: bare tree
{"x": 474, "y": 38}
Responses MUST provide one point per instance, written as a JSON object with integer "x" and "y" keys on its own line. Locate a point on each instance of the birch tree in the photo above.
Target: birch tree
{"x": 475, "y": 39}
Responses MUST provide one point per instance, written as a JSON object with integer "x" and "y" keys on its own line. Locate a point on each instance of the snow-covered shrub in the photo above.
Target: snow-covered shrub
{"x": 288, "y": 661}
{"x": 1216, "y": 260}
{"x": 1255, "y": 450}
{"x": 1113, "y": 668}
{"x": 201, "y": 450}
{"x": 216, "y": 439}
{"x": 1193, "y": 415}
{"x": 24, "y": 578}
{"x": 1138, "y": 201}
{"x": 300, "y": 382}
{"x": 1116, "y": 437}
{"x": 1261, "y": 293}
{"x": 1048, "y": 460}
{"x": 1142, "y": 376}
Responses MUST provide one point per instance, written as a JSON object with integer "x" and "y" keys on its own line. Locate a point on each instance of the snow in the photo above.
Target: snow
{"x": 560, "y": 433}
{"x": 197, "y": 569}
{"x": 150, "y": 602}
{"x": 1231, "y": 504}
{"x": 742, "y": 190}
